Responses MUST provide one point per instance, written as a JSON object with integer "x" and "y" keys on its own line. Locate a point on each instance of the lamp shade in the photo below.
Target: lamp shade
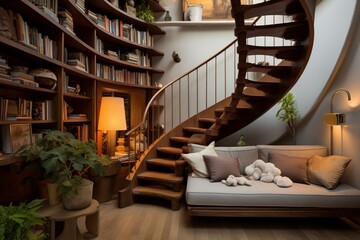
{"x": 334, "y": 118}
{"x": 112, "y": 114}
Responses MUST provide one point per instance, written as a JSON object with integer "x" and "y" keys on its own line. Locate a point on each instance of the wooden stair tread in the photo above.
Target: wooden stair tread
{"x": 180, "y": 139}
{"x": 160, "y": 176}
{"x": 281, "y": 52}
{"x": 274, "y": 7}
{"x": 207, "y": 120}
{"x": 170, "y": 150}
{"x": 261, "y": 83}
{"x": 164, "y": 162}
{"x": 157, "y": 192}
{"x": 281, "y": 30}
{"x": 194, "y": 129}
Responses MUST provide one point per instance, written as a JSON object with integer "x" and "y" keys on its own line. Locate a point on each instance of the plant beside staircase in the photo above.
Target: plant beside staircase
{"x": 66, "y": 160}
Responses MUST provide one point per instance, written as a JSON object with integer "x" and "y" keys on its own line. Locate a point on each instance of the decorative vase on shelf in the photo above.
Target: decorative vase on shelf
{"x": 167, "y": 16}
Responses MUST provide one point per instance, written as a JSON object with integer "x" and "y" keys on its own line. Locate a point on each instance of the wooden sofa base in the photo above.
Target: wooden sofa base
{"x": 216, "y": 211}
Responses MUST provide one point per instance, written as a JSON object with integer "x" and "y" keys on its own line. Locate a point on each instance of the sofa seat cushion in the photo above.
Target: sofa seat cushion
{"x": 202, "y": 192}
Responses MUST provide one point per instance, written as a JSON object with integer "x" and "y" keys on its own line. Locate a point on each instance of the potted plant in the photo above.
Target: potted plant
{"x": 22, "y": 222}
{"x": 144, "y": 12}
{"x": 66, "y": 160}
{"x": 288, "y": 113}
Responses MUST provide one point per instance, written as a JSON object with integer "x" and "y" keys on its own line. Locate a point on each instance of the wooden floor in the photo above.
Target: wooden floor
{"x": 158, "y": 222}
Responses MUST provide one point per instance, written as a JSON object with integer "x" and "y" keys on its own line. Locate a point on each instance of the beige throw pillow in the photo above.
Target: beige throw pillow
{"x": 327, "y": 171}
{"x": 196, "y": 160}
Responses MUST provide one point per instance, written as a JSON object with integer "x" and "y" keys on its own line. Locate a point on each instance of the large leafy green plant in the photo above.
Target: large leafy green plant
{"x": 22, "y": 222}
{"x": 65, "y": 159}
{"x": 288, "y": 113}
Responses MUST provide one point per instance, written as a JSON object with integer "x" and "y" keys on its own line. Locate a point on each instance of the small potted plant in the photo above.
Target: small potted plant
{"x": 67, "y": 161}
{"x": 22, "y": 222}
{"x": 144, "y": 12}
{"x": 288, "y": 113}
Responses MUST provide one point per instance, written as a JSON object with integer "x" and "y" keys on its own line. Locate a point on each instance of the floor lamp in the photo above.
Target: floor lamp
{"x": 112, "y": 118}
{"x": 333, "y": 119}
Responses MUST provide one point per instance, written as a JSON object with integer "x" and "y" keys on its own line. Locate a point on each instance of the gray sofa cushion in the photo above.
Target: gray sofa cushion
{"x": 202, "y": 192}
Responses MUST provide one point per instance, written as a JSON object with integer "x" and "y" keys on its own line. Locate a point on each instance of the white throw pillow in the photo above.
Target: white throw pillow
{"x": 196, "y": 160}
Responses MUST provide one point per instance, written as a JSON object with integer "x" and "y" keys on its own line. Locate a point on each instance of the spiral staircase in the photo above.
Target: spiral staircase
{"x": 158, "y": 172}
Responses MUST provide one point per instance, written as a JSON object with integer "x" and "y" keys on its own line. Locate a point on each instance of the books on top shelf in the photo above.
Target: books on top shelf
{"x": 31, "y": 37}
{"x": 51, "y": 6}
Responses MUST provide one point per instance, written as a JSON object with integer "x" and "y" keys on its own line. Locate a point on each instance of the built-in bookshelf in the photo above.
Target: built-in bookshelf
{"x": 58, "y": 56}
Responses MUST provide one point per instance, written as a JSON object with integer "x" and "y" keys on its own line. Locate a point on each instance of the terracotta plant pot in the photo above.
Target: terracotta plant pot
{"x": 82, "y": 199}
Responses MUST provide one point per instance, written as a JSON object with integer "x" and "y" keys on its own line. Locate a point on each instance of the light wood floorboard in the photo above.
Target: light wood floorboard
{"x": 158, "y": 222}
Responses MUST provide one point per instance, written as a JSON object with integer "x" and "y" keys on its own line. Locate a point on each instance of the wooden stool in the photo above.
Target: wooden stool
{"x": 71, "y": 230}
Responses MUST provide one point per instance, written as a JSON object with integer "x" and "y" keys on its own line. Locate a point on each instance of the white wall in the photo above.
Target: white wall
{"x": 346, "y": 139}
{"x": 330, "y": 67}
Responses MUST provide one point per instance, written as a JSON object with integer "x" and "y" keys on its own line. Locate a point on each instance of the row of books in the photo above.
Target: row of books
{"x": 122, "y": 30}
{"x": 30, "y": 36}
{"x": 23, "y": 109}
{"x": 135, "y": 56}
{"x": 122, "y": 75}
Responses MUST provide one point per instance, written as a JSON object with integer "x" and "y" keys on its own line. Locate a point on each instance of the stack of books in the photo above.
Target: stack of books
{"x": 111, "y": 53}
{"x": 22, "y": 77}
{"x": 132, "y": 57}
{"x": 80, "y": 4}
{"x": 66, "y": 19}
{"x": 92, "y": 15}
{"x": 4, "y": 69}
{"x": 78, "y": 60}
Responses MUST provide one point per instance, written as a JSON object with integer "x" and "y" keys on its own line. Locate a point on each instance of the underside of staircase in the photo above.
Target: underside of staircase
{"x": 160, "y": 171}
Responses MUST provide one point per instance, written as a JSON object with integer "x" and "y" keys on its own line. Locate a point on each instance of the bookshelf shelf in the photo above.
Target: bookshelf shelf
{"x": 80, "y": 37}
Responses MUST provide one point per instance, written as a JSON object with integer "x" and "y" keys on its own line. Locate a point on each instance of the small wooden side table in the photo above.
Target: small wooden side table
{"x": 71, "y": 230}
